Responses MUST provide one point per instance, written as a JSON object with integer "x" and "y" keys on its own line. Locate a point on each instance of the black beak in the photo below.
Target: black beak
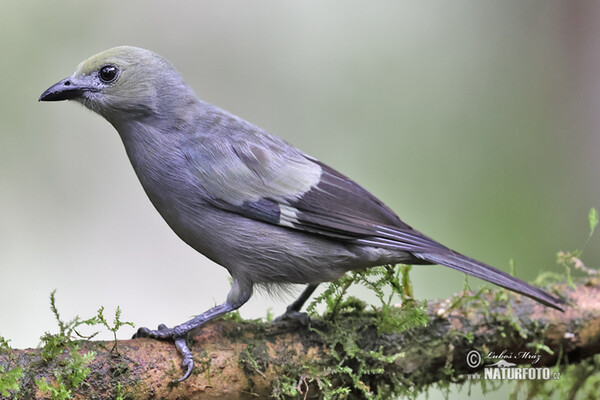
{"x": 63, "y": 90}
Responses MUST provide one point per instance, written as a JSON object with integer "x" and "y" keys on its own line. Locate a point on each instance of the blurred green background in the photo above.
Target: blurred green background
{"x": 477, "y": 122}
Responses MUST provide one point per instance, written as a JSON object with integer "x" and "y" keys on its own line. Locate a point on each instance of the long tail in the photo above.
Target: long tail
{"x": 487, "y": 273}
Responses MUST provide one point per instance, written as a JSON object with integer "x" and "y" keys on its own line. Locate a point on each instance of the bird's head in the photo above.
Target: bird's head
{"x": 121, "y": 83}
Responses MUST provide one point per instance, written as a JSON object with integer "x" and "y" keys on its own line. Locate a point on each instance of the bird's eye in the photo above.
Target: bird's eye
{"x": 108, "y": 73}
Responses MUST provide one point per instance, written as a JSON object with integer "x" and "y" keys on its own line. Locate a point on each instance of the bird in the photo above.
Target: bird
{"x": 251, "y": 202}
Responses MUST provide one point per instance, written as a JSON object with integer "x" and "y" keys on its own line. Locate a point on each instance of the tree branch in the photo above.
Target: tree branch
{"x": 239, "y": 360}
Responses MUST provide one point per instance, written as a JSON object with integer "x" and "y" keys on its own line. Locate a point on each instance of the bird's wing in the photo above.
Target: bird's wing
{"x": 269, "y": 180}
{"x": 263, "y": 178}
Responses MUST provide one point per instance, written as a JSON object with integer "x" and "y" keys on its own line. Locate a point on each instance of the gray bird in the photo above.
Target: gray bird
{"x": 247, "y": 200}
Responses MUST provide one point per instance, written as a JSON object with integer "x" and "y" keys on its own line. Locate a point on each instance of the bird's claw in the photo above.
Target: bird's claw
{"x": 188, "y": 360}
{"x": 141, "y": 333}
{"x": 161, "y": 333}
{"x": 180, "y": 342}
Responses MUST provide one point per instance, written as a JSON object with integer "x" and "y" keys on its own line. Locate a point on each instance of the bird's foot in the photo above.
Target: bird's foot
{"x": 179, "y": 336}
{"x": 292, "y": 315}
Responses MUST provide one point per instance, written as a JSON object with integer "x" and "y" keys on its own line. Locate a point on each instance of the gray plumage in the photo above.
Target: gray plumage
{"x": 247, "y": 200}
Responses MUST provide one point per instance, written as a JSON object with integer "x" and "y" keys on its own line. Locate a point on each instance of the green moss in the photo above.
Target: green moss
{"x": 10, "y": 375}
{"x": 351, "y": 366}
{"x": 117, "y": 324}
{"x": 61, "y": 353}
{"x": 254, "y": 359}
{"x": 233, "y": 316}
{"x": 69, "y": 373}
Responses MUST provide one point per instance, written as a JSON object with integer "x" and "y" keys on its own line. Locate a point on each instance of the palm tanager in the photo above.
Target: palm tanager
{"x": 249, "y": 201}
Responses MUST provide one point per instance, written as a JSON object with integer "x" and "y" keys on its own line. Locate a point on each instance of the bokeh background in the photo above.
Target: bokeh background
{"x": 478, "y": 122}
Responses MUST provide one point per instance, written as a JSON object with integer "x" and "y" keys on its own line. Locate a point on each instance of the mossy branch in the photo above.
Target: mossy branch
{"x": 248, "y": 360}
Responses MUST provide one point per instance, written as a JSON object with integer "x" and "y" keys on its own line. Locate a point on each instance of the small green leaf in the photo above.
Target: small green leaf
{"x": 9, "y": 380}
{"x": 593, "y": 220}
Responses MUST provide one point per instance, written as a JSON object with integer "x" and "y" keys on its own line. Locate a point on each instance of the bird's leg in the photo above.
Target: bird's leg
{"x": 239, "y": 294}
{"x": 299, "y": 302}
{"x": 293, "y": 310}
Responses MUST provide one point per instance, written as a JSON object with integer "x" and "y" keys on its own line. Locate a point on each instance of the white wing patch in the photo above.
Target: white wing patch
{"x": 248, "y": 173}
{"x": 288, "y": 216}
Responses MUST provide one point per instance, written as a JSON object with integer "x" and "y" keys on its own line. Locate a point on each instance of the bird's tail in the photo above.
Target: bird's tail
{"x": 487, "y": 273}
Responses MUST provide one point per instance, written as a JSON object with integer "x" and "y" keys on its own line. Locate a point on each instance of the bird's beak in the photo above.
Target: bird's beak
{"x": 66, "y": 89}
